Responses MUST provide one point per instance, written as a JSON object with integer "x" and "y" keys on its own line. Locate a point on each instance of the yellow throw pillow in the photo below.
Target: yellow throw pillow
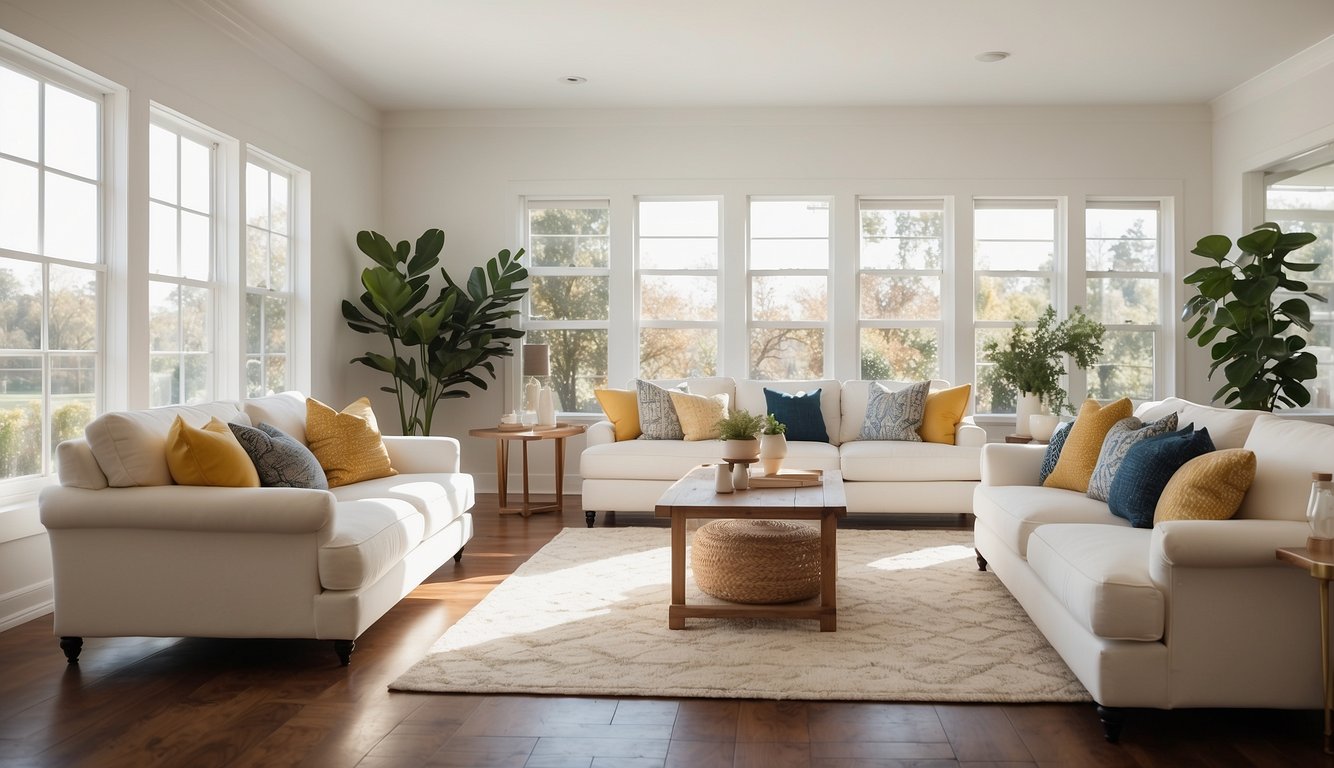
{"x": 347, "y": 444}
{"x": 208, "y": 456}
{"x": 1208, "y": 487}
{"x": 944, "y": 409}
{"x": 699, "y": 414}
{"x": 1080, "y": 454}
{"x": 622, "y": 409}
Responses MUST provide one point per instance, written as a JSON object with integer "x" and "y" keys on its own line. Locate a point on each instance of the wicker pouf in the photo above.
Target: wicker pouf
{"x": 756, "y": 561}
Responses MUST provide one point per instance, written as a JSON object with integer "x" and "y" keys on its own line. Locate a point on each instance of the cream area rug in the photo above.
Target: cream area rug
{"x": 587, "y": 615}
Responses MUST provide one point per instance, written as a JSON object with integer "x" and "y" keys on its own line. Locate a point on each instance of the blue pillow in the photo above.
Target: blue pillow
{"x": 801, "y": 414}
{"x": 280, "y": 460}
{"x": 1146, "y": 469}
{"x": 1054, "y": 446}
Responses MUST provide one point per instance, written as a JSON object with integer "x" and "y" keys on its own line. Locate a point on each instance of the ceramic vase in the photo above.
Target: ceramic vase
{"x": 773, "y": 448}
{"x": 546, "y": 408}
{"x": 741, "y": 449}
{"x": 1042, "y": 425}
{"x": 1028, "y": 405}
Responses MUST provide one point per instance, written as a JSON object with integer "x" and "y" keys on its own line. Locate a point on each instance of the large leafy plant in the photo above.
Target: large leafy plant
{"x": 1241, "y": 311}
{"x": 1032, "y": 360}
{"x": 437, "y": 346}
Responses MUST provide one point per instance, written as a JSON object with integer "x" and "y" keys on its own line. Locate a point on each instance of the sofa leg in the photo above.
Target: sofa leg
{"x": 981, "y": 561}
{"x": 344, "y": 650}
{"x": 71, "y": 646}
{"x": 458, "y": 556}
{"x": 590, "y": 516}
{"x": 1113, "y": 718}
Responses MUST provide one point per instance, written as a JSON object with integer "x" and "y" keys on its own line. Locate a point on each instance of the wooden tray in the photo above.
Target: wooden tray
{"x": 787, "y": 478}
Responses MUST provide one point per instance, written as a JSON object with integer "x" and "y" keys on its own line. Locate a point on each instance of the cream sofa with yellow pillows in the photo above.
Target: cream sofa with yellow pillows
{"x": 880, "y": 476}
{"x": 135, "y": 554}
{"x": 1188, "y": 613}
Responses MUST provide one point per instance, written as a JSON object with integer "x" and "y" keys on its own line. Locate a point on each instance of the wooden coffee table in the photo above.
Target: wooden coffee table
{"x": 693, "y": 498}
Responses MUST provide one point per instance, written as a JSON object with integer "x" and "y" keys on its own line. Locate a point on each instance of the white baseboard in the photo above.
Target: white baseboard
{"x": 24, "y": 605}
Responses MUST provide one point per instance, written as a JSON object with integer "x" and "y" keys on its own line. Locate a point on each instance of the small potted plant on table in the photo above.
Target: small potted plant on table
{"x": 773, "y": 444}
{"x": 738, "y": 431}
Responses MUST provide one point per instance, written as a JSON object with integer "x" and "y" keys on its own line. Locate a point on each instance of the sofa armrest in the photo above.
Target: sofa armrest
{"x": 969, "y": 434}
{"x": 599, "y": 433}
{"x": 413, "y": 455}
{"x": 1223, "y": 543}
{"x": 189, "y": 508}
{"x": 1012, "y": 463}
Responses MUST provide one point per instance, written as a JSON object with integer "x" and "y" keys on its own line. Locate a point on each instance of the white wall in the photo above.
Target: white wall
{"x": 464, "y": 170}
{"x": 176, "y": 54}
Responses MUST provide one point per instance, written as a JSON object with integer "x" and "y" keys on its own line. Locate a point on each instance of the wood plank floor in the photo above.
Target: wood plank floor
{"x": 140, "y": 702}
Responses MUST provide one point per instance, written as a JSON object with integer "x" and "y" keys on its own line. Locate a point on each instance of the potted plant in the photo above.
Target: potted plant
{"x": 1031, "y": 361}
{"x": 1263, "y": 361}
{"x": 773, "y": 444}
{"x": 436, "y": 346}
{"x": 737, "y": 430}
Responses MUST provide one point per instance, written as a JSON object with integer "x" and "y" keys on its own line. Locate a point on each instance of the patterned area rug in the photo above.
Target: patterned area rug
{"x": 587, "y": 615}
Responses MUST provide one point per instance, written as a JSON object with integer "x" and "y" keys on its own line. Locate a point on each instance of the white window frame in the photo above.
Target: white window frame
{"x": 825, "y": 326}
{"x": 716, "y": 273}
{"x": 297, "y": 291}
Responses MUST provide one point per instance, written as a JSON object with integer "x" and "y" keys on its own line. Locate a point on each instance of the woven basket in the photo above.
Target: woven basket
{"x": 756, "y": 561}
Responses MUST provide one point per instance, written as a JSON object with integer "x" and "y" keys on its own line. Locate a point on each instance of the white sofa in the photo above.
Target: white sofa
{"x": 135, "y": 555}
{"x": 1193, "y": 613}
{"x": 879, "y": 476}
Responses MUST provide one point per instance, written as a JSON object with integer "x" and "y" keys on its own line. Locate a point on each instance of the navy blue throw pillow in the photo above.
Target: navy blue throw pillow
{"x": 1146, "y": 469}
{"x": 801, "y": 414}
{"x": 1054, "y": 446}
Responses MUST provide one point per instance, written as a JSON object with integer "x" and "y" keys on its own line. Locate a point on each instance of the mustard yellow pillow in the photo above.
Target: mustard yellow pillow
{"x": 699, "y": 414}
{"x": 347, "y": 444}
{"x": 944, "y": 408}
{"x": 1208, "y": 487}
{"x": 208, "y": 456}
{"x": 622, "y": 409}
{"x": 1080, "y": 454}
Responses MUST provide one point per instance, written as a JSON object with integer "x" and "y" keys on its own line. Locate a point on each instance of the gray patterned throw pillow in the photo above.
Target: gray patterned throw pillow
{"x": 1123, "y": 435}
{"x": 280, "y": 460}
{"x": 657, "y": 415}
{"x": 895, "y": 415}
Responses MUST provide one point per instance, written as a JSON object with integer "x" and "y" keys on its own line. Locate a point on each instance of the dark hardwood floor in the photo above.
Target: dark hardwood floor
{"x": 139, "y": 702}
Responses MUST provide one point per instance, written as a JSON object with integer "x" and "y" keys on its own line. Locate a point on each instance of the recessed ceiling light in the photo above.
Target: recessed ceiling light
{"x": 990, "y": 56}
{"x": 573, "y": 79}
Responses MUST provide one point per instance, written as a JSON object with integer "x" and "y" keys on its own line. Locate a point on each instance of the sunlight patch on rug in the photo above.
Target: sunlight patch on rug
{"x": 587, "y": 615}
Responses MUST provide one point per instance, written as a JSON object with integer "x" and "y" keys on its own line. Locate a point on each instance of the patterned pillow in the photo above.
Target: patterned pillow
{"x": 1147, "y": 468}
{"x": 800, "y": 413}
{"x": 1208, "y": 487}
{"x": 1054, "y": 446}
{"x": 1123, "y": 435}
{"x": 895, "y": 415}
{"x": 699, "y": 414}
{"x": 657, "y": 415}
{"x": 281, "y": 461}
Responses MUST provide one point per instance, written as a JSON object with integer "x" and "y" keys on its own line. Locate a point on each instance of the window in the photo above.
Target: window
{"x": 1122, "y": 265}
{"x": 51, "y": 265}
{"x": 899, "y": 284}
{"x": 182, "y": 223}
{"x": 269, "y": 300}
{"x": 789, "y": 287}
{"x": 567, "y": 307}
{"x": 678, "y": 248}
{"x": 1014, "y": 262}
{"x": 1305, "y": 203}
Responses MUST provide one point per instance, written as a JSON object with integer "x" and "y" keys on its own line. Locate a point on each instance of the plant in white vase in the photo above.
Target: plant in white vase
{"x": 1031, "y": 360}
{"x": 737, "y": 431}
{"x": 773, "y": 445}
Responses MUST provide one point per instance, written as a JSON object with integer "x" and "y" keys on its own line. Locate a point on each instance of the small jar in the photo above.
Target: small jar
{"x": 1320, "y": 509}
{"x": 740, "y": 476}
{"x": 722, "y": 479}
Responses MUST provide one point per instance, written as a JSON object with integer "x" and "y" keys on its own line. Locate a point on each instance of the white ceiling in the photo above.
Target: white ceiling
{"x": 456, "y": 54}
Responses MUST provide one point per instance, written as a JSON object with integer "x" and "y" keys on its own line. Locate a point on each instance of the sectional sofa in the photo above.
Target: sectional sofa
{"x": 135, "y": 555}
{"x": 879, "y": 476}
{"x": 1191, "y": 613}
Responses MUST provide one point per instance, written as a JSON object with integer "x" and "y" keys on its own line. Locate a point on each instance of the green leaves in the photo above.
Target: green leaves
{"x": 1032, "y": 360}
{"x": 1247, "y": 332}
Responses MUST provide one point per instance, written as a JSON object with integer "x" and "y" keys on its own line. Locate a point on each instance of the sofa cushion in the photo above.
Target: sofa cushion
{"x": 1013, "y": 512}
{"x": 699, "y": 414}
{"x": 1147, "y": 468}
{"x": 657, "y": 415}
{"x": 905, "y": 461}
{"x": 439, "y": 497}
{"x": 1228, "y": 428}
{"x": 130, "y": 446}
{"x": 1287, "y": 451}
{"x": 208, "y": 455}
{"x": 285, "y": 410}
{"x": 347, "y": 443}
{"x": 1080, "y": 454}
{"x": 945, "y": 408}
{"x": 1100, "y": 574}
{"x": 672, "y": 459}
{"x": 1123, "y": 436}
{"x": 279, "y": 459}
{"x": 1208, "y": 487}
{"x": 895, "y": 415}
{"x": 622, "y": 409}
{"x": 369, "y": 537}
{"x": 799, "y": 412}
{"x": 854, "y": 396}
{"x": 750, "y": 396}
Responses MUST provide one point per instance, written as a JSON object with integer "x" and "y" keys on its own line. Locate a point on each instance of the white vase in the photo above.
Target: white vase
{"x": 1041, "y": 426}
{"x": 1028, "y": 405}
{"x": 741, "y": 449}
{"x": 773, "y": 448}
{"x": 546, "y": 408}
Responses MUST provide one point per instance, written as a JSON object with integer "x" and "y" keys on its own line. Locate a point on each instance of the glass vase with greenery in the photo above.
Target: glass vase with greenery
{"x": 1032, "y": 359}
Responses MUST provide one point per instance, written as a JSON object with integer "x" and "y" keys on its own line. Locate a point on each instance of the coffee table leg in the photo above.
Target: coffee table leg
{"x": 829, "y": 572}
{"x": 678, "y": 572}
